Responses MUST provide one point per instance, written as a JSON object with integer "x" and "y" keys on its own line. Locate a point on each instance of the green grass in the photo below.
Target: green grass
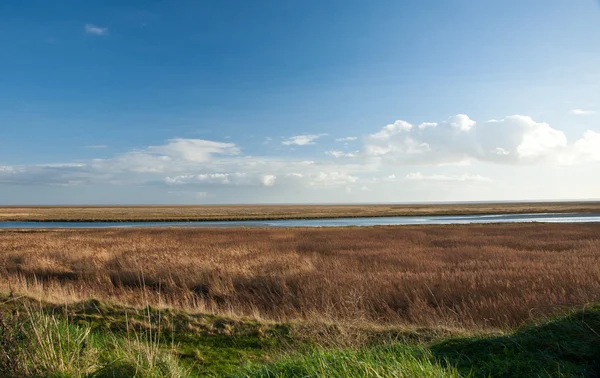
{"x": 209, "y": 345}
{"x": 96, "y": 339}
{"x": 40, "y": 345}
{"x": 565, "y": 347}
{"x": 381, "y": 361}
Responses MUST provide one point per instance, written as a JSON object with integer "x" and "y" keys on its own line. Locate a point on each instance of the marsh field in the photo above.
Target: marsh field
{"x": 394, "y": 301}
{"x": 274, "y": 212}
{"x": 456, "y": 276}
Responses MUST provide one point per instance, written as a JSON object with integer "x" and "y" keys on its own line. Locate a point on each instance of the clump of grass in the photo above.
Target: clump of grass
{"x": 41, "y": 345}
{"x": 38, "y": 344}
{"x": 12, "y": 336}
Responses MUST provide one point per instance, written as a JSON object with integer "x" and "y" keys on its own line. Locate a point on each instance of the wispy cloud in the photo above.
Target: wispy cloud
{"x": 417, "y": 176}
{"x": 96, "y": 146}
{"x": 339, "y": 154}
{"x": 95, "y": 30}
{"x": 302, "y": 140}
{"x": 582, "y": 111}
{"x": 346, "y": 139}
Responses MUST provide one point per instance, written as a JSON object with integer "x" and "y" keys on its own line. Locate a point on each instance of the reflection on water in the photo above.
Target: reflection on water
{"x": 330, "y": 222}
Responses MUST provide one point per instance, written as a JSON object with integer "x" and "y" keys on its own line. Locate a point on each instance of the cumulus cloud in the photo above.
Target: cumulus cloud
{"x": 268, "y": 180}
{"x": 302, "y": 140}
{"x": 95, "y": 30}
{"x": 425, "y": 125}
{"x": 585, "y": 149}
{"x": 461, "y": 122}
{"x": 417, "y": 176}
{"x": 582, "y": 112}
{"x": 346, "y": 139}
{"x": 512, "y": 140}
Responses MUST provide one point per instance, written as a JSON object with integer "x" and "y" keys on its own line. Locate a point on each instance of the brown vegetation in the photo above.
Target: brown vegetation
{"x": 264, "y": 212}
{"x": 455, "y": 276}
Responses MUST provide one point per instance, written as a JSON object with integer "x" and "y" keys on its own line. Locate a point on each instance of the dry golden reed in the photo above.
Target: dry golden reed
{"x": 475, "y": 276}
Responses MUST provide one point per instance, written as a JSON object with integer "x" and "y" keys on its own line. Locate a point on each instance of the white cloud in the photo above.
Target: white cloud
{"x": 582, "y": 112}
{"x": 302, "y": 140}
{"x": 268, "y": 180}
{"x": 425, "y": 125}
{"x": 207, "y": 178}
{"x": 189, "y": 162}
{"x": 201, "y": 194}
{"x": 61, "y": 165}
{"x": 339, "y": 154}
{"x": 96, "y": 146}
{"x": 194, "y": 150}
{"x": 417, "y": 176}
{"x": 95, "y": 30}
{"x": 390, "y": 130}
{"x": 512, "y": 140}
{"x": 346, "y": 139}
{"x": 461, "y": 122}
{"x": 587, "y": 148}
{"x": 500, "y": 151}
{"x": 68, "y": 174}
{"x": 329, "y": 179}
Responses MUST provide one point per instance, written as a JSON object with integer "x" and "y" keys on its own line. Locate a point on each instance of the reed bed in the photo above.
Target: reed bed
{"x": 467, "y": 276}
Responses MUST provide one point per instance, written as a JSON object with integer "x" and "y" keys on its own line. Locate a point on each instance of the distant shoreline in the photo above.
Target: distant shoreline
{"x": 212, "y": 213}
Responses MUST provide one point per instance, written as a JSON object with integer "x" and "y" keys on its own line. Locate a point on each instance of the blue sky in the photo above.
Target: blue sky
{"x": 243, "y": 102}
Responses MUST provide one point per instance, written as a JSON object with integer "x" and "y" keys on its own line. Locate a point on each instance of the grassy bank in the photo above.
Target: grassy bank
{"x": 96, "y": 339}
{"x": 273, "y": 212}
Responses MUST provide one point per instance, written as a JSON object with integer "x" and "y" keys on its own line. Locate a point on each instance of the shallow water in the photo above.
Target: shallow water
{"x": 330, "y": 222}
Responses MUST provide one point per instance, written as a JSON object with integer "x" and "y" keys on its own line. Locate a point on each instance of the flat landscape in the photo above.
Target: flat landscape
{"x": 271, "y": 212}
{"x": 456, "y": 300}
{"x": 457, "y": 276}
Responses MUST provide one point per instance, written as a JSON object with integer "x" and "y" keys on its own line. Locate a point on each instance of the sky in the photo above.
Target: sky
{"x": 296, "y": 101}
